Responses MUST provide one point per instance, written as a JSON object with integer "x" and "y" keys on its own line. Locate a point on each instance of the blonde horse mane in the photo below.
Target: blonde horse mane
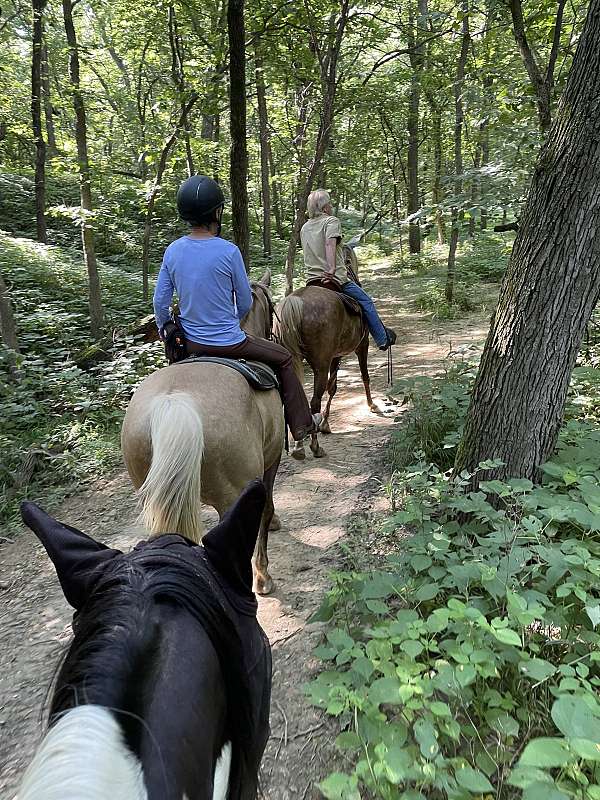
{"x": 288, "y": 324}
{"x": 170, "y": 495}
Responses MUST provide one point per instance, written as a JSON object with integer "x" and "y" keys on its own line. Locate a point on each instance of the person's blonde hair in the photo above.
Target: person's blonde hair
{"x": 316, "y": 202}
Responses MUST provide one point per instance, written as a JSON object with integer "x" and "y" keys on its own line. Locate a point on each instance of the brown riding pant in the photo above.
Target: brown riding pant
{"x": 252, "y": 348}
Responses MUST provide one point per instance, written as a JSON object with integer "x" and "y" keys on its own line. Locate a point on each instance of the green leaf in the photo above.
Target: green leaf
{"x": 507, "y": 636}
{"x": 427, "y": 592}
{"x": 412, "y": 648}
{"x": 574, "y": 718}
{"x": 543, "y": 791}
{"x": 421, "y": 562}
{"x": 590, "y": 750}
{"x": 377, "y": 606}
{"x": 593, "y": 613}
{"x": 465, "y": 674}
{"x": 473, "y": 780}
{"x": 537, "y": 669}
{"x": 440, "y": 709}
{"x": 425, "y": 735}
{"x": 546, "y": 752}
{"x": 385, "y": 690}
{"x": 338, "y": 786}
{"x": 348, "y": 740}
{"x": 398, "y": 761}
{"x": 525, "y": 776}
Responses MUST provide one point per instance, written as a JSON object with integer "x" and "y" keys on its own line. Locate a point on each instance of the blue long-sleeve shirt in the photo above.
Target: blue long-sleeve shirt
{"x": 214, "y": 293}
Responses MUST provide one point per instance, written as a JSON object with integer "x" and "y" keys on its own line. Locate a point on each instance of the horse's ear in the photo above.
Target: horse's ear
{"x": 266, "y": 278}
{"x": 230, "y": 545}
{"x": 77, "y": 558}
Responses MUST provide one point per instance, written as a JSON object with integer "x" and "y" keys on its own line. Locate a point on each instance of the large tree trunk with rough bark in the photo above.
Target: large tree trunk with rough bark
{"x": 87, "y": 232}
{"x": 52, "y": 149}
{"x": 238, "y": 171}
{"x": 36, "y": 119}
{"x": 551, "y": 287}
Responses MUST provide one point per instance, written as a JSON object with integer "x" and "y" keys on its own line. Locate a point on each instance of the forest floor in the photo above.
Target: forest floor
{"x": 316, "y": 500}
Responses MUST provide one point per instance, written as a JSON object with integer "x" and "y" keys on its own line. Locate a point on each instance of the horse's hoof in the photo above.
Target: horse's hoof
{"x": 264, "y": 586}
{"x": 319, "y": 452}
{"x": 299, "y": 455}
{"x": 324, "y": 426}
{"x": 275, "y": 524}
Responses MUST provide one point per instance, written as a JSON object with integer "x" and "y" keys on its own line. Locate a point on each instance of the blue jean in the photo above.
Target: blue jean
{"x": 374, "y": 324}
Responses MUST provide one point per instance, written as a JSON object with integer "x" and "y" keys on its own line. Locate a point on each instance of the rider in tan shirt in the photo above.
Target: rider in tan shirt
{"x": 321, "y": 238}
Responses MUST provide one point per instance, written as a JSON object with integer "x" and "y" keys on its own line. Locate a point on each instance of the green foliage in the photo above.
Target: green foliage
{"x": 60, "y": 423}
{"x": 433, "y": 299}
{"x": 468, "y": 664}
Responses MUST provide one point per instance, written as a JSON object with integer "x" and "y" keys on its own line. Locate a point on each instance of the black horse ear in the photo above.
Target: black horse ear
{"x": 77, "y": 557}
{"x": 230, "y": 545}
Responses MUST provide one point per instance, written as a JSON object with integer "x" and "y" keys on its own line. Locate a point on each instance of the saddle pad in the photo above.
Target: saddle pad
{"x": 352, "y": 306}
{"x": 259, "y": 376}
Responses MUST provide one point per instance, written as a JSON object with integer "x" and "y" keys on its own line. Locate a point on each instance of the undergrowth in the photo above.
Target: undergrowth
{"x": 468, "y": 664}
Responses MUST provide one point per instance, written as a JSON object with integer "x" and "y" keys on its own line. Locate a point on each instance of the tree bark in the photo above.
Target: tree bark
{"x": 36, "y": 119}
{"x": 328, "y": 65}
{"x": 87, "y": 232}
{"x": 8, "y": 329}
{"x": 458, "y": 162}
{"x": 238, "y": 170}
{"x": 417, "y": 59}
{"x": 550, "y": 289}
{"x": 48, "y": 108}
{"x": 264, "y": 153}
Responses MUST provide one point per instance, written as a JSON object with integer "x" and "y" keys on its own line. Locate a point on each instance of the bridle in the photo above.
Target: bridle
{"x": 270, "y": 304}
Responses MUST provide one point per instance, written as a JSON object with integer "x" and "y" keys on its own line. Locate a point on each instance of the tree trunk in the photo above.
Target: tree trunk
{"x": 152, "y": 195}
{"x": 328, "y": 64}
{"x": 264, "y": 154}
{"x": 36, "y": 119}
{"x": 550, "y": 289}
{"x": 87, "y": 232}
{"x": 437, "y": 175}
{"x": 417, "y": 61}
{"x": 238, "y": 171}
{"x": 48, "y": 108}
{"x": 542, "y": 84}
{"x": 458, "y": 162}
{"x": 7, "y": 318}
{"x": 276, "y": 196}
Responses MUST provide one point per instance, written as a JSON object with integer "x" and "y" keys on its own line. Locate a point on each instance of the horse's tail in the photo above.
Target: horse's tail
{"x": 170, "y": 495}
{"x": 288, "y": 325}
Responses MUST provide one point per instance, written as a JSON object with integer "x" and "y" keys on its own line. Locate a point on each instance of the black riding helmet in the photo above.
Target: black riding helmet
{"x": 198, "y": 198}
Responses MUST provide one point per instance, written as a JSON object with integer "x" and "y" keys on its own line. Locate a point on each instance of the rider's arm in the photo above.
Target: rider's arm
{"x": 333, "y": 235}
{"x": 163, "y": 294}
{"x": 241, "y": 285}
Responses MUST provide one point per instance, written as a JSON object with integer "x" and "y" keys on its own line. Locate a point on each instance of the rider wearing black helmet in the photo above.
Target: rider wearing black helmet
{"x": 214, "y": 293}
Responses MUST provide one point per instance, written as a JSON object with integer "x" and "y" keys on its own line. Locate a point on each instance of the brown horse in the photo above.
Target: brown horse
{"x": 314, "y": 324}
{"x": 197, "y": 432}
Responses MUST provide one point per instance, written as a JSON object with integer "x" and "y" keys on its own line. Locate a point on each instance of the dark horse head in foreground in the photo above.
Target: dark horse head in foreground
{"x": 164, "y": 692}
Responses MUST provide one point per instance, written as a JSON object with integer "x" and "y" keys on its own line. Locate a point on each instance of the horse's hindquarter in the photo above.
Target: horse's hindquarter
{"x": 243, "y": 428}
{"x": 326, "y": 325}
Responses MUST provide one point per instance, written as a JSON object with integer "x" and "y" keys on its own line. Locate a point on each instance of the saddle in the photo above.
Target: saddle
{"x": 352, "y": 306}
{"x": 260, "y": 376}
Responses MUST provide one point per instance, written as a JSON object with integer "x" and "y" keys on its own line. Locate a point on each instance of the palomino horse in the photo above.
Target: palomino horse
{"x": 164, "y": 692}
{"x": 197, "y": 432}
{"x": 314, "y": 324}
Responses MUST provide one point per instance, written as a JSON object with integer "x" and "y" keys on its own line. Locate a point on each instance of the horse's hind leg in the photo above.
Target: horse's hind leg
{"x": 331, "y": 390}
{"x": 321, "y": 372}
{"x": 264, "y": 582}
{"x": 362, "y": 353}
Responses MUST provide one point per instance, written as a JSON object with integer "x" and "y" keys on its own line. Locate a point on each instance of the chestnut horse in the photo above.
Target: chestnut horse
{"x": 315, "y": 325}
{"x": 197, "y": 432}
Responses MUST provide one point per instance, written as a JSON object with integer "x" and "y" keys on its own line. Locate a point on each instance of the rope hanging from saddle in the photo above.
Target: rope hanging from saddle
{"x": 390, "y": 368}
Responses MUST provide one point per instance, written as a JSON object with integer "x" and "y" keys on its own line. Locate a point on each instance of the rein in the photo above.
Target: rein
{"x": 390, "y": 368}
{"x": 270, "y": 304}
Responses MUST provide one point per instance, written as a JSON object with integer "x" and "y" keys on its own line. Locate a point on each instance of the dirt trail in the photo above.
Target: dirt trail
{"x": 314, "y": 499}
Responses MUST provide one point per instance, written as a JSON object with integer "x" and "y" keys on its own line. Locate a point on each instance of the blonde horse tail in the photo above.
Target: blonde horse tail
{"x": 170, "y": 495}
{"x": 288, "y": 325}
